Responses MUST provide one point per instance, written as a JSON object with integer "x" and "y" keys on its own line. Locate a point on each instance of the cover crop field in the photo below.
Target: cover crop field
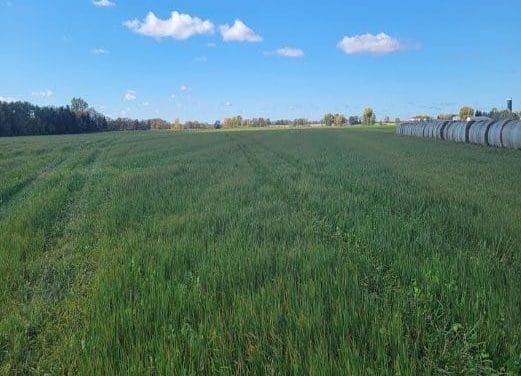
{"x": 349, "y": 251}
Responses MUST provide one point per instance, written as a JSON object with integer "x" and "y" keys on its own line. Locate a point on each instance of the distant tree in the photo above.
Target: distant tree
{"x": 328, "y": 120}
{"x": 466, "y": 113}
{"x": 158, "y": 124}
{"x": 354, "y": 120}
{"x": 369, "y": 117}
{"x": 339, "y": 120}
{"x": 78, "y": 105}
{"x": 176, "y": 124}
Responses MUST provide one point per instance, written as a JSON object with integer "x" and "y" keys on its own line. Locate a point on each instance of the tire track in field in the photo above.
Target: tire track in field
{"x": 25, "y": 190}
{"x": 53, "y": 272}
{"x": 259, "y": 168}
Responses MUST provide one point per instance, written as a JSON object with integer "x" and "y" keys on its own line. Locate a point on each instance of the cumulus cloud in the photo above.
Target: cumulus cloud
{"x": 290, "y": 52}
{"x": 178, "y": 26}
{"x": 100, "y": 51}
{"x": 42, "y": 94}
{"x": 239, "y": 32}
{"x": 184, "y": 88}
{"x": 103, "y": 3}
{"x": 130, "y": 95}
{"x": 370, "y": 44}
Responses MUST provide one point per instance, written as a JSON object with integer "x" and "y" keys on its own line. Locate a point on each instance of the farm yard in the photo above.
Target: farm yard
{"x": 318, "y": 251}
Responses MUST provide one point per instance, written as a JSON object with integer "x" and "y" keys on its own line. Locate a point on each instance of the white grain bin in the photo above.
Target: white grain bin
{"x": 494, "y": 133}
{"x": 511, "y": 135}
{"x": 478, "y": 132}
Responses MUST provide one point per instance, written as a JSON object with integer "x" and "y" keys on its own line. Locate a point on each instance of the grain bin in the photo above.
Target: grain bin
{"x": 494, "y": 133}
{"x": 511, "y": 135}
{"x": 478, "y": 132}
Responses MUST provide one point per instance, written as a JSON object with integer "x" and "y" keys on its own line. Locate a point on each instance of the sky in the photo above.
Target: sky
{"x": 206, "y": 60}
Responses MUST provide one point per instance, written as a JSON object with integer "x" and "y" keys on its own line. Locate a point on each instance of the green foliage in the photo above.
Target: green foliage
{"x": 369, "y": 117}
{"x": 498, "y": 115}
{"x": 466, "y": 112}
{"x": 354, "y": 120}
{"x": 338, "y": 251}
{"x": 328, "y": 120}
{"x": 25, "y": 119}
{"x": 79, "y": 106}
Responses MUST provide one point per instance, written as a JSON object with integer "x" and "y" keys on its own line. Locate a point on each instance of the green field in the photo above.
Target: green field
{"x": 345, "y": 251}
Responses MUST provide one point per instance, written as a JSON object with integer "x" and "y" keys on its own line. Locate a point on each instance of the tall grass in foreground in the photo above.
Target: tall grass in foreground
{"x": 315, "y": 251}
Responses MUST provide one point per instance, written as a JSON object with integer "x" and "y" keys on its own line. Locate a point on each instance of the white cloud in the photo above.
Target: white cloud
{"x": 184, "y": 88}
{"x": 211, "y": 44}
{"x": 228, "y": 104}
{"x": 178, "y": 26}
{"x": 42, "y": 94}
{"x": 6, "y": 99}
{"x": 370, "y": 44}
{"x": 100, "y": 51}
{"x": 145, "y": 104}
{"x": 130, "y": 95}
{"x": 201, "y": 59}
{"x": 290, "y": 52}
{"x": 239, "y": 32}
{"x": 103, "y": 3}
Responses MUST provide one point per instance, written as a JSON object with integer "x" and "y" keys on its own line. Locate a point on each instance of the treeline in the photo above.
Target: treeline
{"x": 467, "y": 112}
{"x": 498, "y": 115}
{"x": 238, "y": 122}
{"x": 368, "y": 118}
{"x": 25, "y": 119}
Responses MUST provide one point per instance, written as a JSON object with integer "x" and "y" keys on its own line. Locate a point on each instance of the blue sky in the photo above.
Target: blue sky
{"x": 284, "y": 59}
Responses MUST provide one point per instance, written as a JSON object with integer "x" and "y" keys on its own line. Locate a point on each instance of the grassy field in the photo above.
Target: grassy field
{"x": 348, "y": 251}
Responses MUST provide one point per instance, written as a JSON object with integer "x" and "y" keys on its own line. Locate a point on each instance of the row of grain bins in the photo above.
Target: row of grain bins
{"x": 504, "y": 133}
